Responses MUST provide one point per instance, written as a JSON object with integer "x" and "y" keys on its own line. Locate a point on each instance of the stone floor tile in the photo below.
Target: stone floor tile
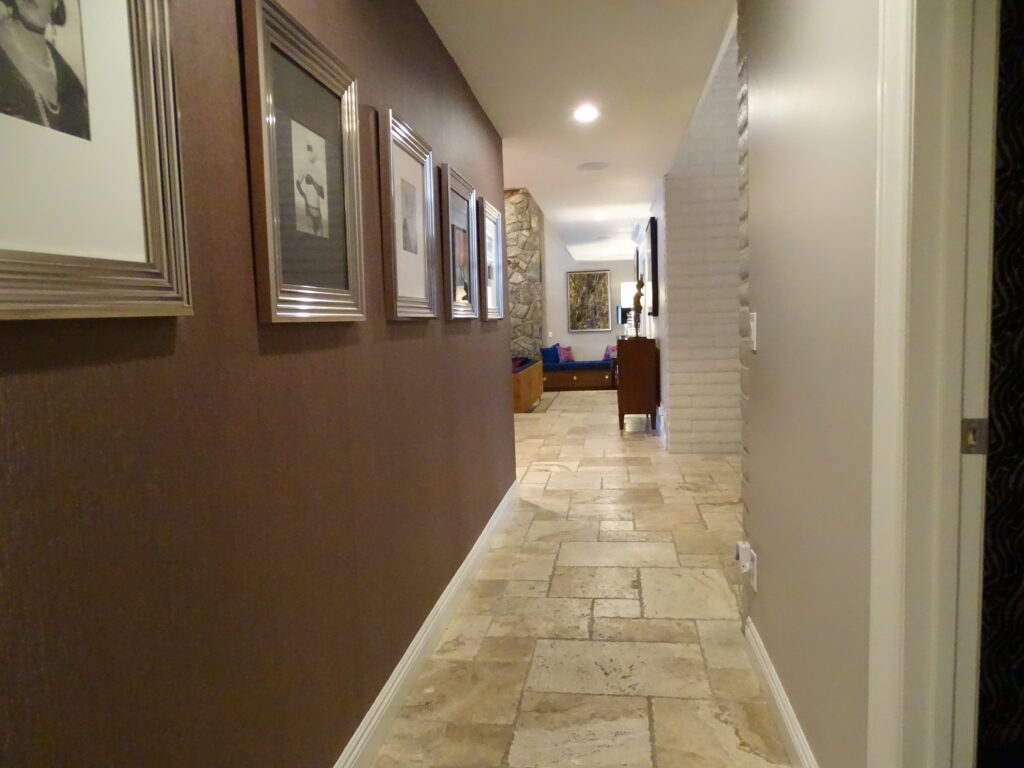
{"x": 506, "y": 649}
{"x": 623, "y": 554}
{"x": 468, "y": 692}
{"x": 668, "y": 518}
{"x": 611, "y": 608}
{"x": 686, "y": 593}
{"x": 482, "y": 596}
{"x": 691, "y": 542}
{"x": 631, "y": 496}
{"x": 563, "y": 481}
{"x": 616, "y": 525}
{"x": 713, "y": 734}
{"x": 618, "y": 668}
{"x": 531, "y": 562}
{"x": 645, "y": 630}
{"x": 418, "y": 743}
{"x": 735, "y": 685}
{"x": 541, "y": 617}
{"x": 648, "y": 536}
{"x": 575, "y": 730}
{"x": 462, "y": 637}
{"x": 601, "y": 512}
{"x": 536, "y": 499}
{"x": 620, "y": 583}
{"x": 563, "y": 530}
{"x": 520, "y": 588}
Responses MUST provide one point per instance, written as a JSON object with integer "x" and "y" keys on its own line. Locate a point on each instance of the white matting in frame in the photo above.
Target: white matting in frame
{"x": 72, "y": 196}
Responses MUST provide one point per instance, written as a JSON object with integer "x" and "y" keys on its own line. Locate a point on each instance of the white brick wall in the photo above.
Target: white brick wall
{"x": 701, "y": 367}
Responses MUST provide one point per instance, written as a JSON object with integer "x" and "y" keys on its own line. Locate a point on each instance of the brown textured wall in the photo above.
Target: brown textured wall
{"x": 216, "y": 538}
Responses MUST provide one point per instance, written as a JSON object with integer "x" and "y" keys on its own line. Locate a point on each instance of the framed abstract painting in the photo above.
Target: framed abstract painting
{"x": 459, "y": 244}
{"x": 302, "y": 106}
{"x": 589, "y": 300}
{"x": 93, "y": 216}
{"x": 408, "y": 213}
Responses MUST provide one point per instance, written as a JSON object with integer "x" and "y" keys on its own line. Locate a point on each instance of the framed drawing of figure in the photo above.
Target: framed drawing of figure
{"x": 492, "y": 253}
{"x": 407, "y": 210}
{"x": 459, "y": 243}
{"x": 93, "y": 220}
{"x": 302, "y": 106}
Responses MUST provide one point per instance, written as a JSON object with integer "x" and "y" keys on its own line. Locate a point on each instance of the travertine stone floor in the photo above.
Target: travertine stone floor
{"x": 603, "y": 630}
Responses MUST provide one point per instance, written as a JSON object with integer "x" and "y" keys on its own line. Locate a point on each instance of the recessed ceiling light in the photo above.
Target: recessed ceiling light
{"x": 586, "y": 113}
{"x": 595, "y": 165}
{"x": 599, "y": 217}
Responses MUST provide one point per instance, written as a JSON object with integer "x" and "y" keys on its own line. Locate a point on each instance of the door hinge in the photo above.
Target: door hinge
{"x": 974, "y": 436}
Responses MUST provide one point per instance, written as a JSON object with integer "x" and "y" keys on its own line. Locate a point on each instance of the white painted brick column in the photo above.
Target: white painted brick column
{"x": 702, "y": 277}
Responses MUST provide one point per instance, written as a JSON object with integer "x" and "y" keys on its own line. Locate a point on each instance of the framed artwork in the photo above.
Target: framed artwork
{"x": 303, "y": 117}
{"x": 407, "y": 210}
{"x": 651, "y": 278}
{"x": 93, "y": 217}
{"x": 492, "y": 251}
{"x": 589, "y": 300}
{"x": 459, "y": 243}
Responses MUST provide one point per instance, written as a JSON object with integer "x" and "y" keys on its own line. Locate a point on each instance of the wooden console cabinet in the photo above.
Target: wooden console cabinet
{"x": 639, "y": 378}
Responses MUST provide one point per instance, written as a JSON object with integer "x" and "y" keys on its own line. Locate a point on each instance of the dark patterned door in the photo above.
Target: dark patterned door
{"x": 1001, "y": 707}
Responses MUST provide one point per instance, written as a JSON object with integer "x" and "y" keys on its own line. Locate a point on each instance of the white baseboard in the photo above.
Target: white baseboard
{"x": 792, "y": 734}
{"x": 368, "y": 738}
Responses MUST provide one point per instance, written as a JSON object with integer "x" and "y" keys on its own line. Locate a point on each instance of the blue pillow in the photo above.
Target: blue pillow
{"x": 549, "y": 355}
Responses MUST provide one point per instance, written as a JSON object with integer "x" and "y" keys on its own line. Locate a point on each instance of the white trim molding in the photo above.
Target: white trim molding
{"x": 792, "y": 733}
{"x": 894, "y": 171}
{"x": 368, "y": 738}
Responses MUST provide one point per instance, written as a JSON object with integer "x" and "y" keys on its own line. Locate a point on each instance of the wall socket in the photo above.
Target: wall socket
{"x": 747, "y": 559}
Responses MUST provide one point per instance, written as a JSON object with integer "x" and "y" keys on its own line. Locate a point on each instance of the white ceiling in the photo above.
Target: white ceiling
{"x": 643, "y": 63}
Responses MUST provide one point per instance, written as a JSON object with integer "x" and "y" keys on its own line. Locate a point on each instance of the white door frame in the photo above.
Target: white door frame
{"x": 929, "y": 150}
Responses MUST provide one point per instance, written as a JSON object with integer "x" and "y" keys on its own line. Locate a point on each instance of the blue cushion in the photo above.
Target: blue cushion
{"x": 549, "y": 355}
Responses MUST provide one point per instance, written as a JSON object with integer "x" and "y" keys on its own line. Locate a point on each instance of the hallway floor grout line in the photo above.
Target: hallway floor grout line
{"x": 603, "y": 629}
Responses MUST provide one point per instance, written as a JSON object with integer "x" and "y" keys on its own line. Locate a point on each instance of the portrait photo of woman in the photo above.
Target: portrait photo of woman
{"x": 42, "y": 74}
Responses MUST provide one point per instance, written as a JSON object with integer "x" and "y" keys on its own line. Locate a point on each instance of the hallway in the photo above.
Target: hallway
{"x": 603, "y": 629}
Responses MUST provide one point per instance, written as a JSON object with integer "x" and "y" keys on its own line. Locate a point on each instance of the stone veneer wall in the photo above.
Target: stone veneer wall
{"x": 524, "y": 239}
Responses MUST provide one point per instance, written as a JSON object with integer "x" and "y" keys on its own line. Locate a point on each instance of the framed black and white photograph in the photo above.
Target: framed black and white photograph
{"x": 93, "y": 220}
{"x": 492, "y": 253}
{"x": 650, "y": 248}
{"x": 304, "y": 171}
{"x": 459, "y": 243}
{"x": 409, "y": 215}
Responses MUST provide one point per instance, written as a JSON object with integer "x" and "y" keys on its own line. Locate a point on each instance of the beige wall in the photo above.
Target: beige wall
{"x": 812, "y": 100}
{"x": 586, "y": 345}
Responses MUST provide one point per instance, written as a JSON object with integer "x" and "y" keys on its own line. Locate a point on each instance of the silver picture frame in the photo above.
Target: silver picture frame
{"x": 267, "y": 26}
{"x": 490, "y": 215}
{"x": 40, "y": 285}
{"x": 396, "y": 135}
{"x": 453, "y": 184}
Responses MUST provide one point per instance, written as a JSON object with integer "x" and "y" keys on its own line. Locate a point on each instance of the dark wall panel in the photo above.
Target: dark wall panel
{"x": 1001, "y": 706}
{"x": 217, "y": 538}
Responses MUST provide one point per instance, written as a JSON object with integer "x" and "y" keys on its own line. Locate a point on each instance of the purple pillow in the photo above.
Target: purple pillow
{"x": 565, "y": 355}
{"x": 611, "y": 351}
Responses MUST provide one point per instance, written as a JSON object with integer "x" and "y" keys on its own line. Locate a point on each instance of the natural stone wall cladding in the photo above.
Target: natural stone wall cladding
{"x": 524, "y": 238}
